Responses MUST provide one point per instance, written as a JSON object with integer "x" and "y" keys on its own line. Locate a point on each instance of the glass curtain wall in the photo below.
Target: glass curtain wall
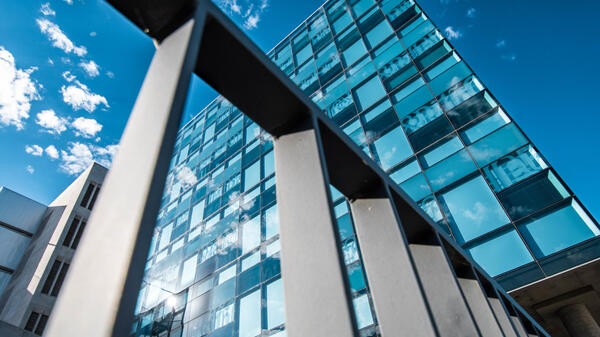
{"x": 386, "y": 75}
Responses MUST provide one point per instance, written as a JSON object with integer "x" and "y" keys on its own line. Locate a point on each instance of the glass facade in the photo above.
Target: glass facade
{"x": 386, "y": 75}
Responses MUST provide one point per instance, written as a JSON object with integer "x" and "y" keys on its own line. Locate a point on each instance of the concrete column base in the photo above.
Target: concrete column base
{"x": 578, "y": 321}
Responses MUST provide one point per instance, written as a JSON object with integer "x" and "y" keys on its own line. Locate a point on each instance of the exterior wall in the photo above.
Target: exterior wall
{"x": 25, "y": 292}
{"x": 386, "y": 75}
{"x": 19, "y": 219}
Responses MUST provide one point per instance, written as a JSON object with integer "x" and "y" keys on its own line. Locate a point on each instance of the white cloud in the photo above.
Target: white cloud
{"x": 58, "y": 38}
{"x": 186, "y": 177}
{"x": 51, "y": 151}
{"x": 68, "y": 76}
{"x": 30, "y": 169}
{"x": 70, "y": 2}
{"x": 471, "y": 12}
{"x": 229, "y": 6}
{"x": 509, "y": 57}
{"x": 86, "y": 127}
{"x": 50, "y": 61}
{"x": 452, "y": 33}
{"x": 250, "y": 12}
{"x": 17, "y": 90}
{"x": 46, "y": 10}
{"x": 501, "y": 43}
{"x": 92, "y": 34}
{"x": 252, "y": 21}
{"x": 91, "y": 68}
{"x": 51, "y": 122}
{"x": 79, "y": 96}
{"x": 34, "y": 150}
{"x": 110, "y": 74}
{"x": 79, "y": 156}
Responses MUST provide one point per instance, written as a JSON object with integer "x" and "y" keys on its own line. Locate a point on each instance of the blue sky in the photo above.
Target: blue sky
{"x": 70, "y": 71}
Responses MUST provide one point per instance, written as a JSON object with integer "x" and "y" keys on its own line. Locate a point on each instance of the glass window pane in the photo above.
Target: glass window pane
{"x": 350, "y": 251}
{"x": 406, "y": 171}
{"x": 392, "y": 148}
{"x": 369, "y": 93}
{"x": 15, "y": 244}
{"x": 485, "y": 126}
{"x": 224, "y": 316}
{"x": 442, "y": 150}
{"x": 251, "y": 234}
{"x": 271, "y": 222}
{"x": 189, "y": 270}
{"x": 532, "y": 194}
{"x": 508, "y": 246}
{"x": 558, "y": 229}
{"x": 416, "y": 187}
{"x": 197, "y": 214}
{"x": 362, "y": 309}
{"x": 275, "y": 307}
{"x": 473, "y": 210}
{"x": 450, "y": 170}
{"x": 497, "y": 144}
{"x": 514, "y": 167}
{"x": 250, "y": 308}
{"x": 252, "y": 175}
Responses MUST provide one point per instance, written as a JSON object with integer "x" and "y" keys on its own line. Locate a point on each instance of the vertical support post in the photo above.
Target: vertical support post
{"x": 503, "y": 317}
{"x": 104, "y": 280}
{"x": 316, "y": 299}
{"x": 395, "y": 287}
{"x": 445, "y": 298}
{"x": 484, "y": 317}
{"x": 578, "y": 320}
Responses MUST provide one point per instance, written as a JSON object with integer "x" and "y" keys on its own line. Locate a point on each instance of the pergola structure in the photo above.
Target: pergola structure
{"x": 422, "y": 284}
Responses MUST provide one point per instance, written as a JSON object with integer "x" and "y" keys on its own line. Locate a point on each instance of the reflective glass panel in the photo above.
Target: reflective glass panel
{"x": 501, "y": 253}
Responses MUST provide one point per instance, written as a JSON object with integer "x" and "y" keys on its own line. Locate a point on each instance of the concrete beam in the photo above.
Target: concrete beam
{"x": 401, "y": 310}
{"x": 105, "y": 277}
{"x": 317, "y": 302}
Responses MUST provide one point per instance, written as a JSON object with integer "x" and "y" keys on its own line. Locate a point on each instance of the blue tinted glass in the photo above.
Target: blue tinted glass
{"x": 558, "y": 229}
{"x": 369, "y": 93}
{"x": 362, "y": 310}
{"x": 392, "y": 148}
{"x": 249, "y": 321}
{"x": 431, "y": 207}
{"x": 449, "y": 78}
{"x": 443, "y": 150}
{"x": 414, "y": 101}
{"x": 451, "y": 60}
{"x": 275, "y": 307}
{"x": 501, "y": 253}
{"x": 417, "y": 33}
{"x": 354, "y": 52}
{"x": 460, "y": 93}
{"x": 379, "y": 33}
{"x": 485, "y": 126}
{"x": 514, "y": 168}
{"x": 413, "y": 121}
{"x": 355, "y": 276}
{"x": 252, "y": 175}
{"x": 450, "y": 170}
{"x": 303, "y": 54}
{"x": 406, "y": 171}
{"x": 428, "y": 41}
{"x": 416, "y": 187}
{"x": 361, "y": 6}
{"x": 497, "y": 144}
{"x": 359, "y": 72}
{"x": 342, "y": 22}
{"x": 473, "y": 210}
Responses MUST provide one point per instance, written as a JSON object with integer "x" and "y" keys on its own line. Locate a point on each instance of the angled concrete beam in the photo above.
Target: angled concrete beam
{"x": 393, "y": 281}
{"x": 316, "y": 300}
{"x": 105, "y": 277}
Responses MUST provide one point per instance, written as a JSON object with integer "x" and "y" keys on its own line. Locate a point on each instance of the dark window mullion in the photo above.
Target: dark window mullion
{"x": 51, "y": 277}
{"x": 60, "y": 279}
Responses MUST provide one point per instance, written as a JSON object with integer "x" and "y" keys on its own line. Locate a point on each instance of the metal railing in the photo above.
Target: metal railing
{"x": 422, "y": 284}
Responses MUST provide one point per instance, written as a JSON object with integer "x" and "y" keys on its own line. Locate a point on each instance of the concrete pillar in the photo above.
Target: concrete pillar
{"x": 401, "y": 310}
{"x": 316, "y": 300}
{"x": 449, "y": 308}
{"x": 502, "y": 317}
{"x": 101, "y": 289}
{"x": 578, "y": 321}
{"x": 484, "y": 317}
